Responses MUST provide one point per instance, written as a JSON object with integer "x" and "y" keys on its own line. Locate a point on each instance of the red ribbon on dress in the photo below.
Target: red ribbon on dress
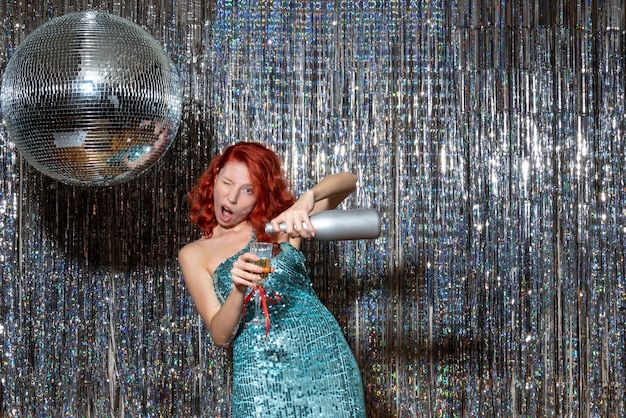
{"x": 273, "y": 297}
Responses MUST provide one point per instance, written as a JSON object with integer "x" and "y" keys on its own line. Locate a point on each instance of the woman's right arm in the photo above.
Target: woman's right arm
{"x": 221, "y": 320}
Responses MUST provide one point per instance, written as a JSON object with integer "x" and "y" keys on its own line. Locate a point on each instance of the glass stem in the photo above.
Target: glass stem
{"x": 257, "y": 306}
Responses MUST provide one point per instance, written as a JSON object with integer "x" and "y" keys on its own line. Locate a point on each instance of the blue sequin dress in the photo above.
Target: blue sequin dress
{"x": 304, "y": 368}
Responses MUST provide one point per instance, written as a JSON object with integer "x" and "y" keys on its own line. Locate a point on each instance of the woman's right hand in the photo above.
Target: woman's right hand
{"x": 245, "y": 273}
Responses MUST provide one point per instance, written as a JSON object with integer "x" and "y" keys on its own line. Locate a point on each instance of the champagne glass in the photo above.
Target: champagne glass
{"x": 264, "y": 251}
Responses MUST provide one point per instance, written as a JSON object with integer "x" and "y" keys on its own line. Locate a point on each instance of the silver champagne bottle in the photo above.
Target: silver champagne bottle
{"x": 336, "y": 225}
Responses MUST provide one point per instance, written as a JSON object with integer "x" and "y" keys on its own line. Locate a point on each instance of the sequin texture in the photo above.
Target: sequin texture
{"x": 304, "y": 367}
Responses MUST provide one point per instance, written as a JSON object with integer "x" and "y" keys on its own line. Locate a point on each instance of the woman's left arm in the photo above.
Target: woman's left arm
{"x": 325, "y": 195}
{"x": 331, "y": 191}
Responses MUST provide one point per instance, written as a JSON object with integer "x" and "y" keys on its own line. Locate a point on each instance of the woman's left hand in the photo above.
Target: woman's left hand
{"x": 296, "y": 216}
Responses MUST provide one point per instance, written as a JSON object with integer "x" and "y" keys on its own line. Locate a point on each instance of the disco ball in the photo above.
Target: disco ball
{"x": 91, "y": 98}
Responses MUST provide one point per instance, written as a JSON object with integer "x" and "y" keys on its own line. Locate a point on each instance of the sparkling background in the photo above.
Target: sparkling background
{"x": 488, "y": 134}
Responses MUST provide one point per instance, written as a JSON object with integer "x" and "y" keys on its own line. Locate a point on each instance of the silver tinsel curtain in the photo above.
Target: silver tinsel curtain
{"x": 489, "y": 134}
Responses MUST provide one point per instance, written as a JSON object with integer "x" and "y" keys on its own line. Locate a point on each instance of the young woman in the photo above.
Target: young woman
{"x": 302, "y": 366}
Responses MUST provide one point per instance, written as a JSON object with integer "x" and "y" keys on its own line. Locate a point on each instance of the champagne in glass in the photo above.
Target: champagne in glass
{"x": 265, "y": 263}
{"x": 264, "y": 251}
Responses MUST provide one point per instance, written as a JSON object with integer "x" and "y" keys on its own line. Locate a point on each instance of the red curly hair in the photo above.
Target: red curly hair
{"x": 269, "y": 185}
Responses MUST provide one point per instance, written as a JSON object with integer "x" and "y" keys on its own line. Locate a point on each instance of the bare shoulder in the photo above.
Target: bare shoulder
{"x": 295, "y": 242}
{"x": 208, "y": 253}
{"x": 191, "y": 251}
{"x": 197, "y": 254}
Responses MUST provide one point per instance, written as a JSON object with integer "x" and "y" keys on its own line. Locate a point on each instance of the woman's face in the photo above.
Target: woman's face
{"x": 233, "y": 196}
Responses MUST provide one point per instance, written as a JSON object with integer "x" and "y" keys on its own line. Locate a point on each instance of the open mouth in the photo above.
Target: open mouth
{"x": 227, "y": 214}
